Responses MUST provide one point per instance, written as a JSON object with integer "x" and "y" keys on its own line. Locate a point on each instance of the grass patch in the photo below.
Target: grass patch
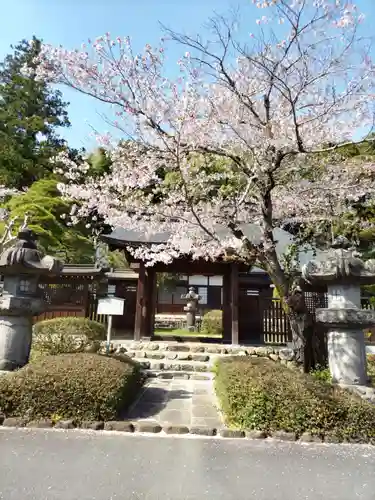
{"x": 180, "y": 332}
{"x": 257, "y": 393}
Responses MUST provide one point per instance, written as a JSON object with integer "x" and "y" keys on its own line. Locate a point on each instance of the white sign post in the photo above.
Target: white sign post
{"x": 110, "y": 306}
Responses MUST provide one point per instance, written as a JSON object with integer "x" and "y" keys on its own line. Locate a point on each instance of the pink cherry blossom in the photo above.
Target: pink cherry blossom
{"x": 234, "y": 139}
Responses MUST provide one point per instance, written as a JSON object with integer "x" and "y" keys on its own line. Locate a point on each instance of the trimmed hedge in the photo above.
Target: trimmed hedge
{"x": 371, "y": 366}
{"x": 71, "y": 326}
{"x": 67, "y": 335}
{"x": 212, "y": 323}
{"x": 71, "y": 386}
{"x": 256, "y": 393}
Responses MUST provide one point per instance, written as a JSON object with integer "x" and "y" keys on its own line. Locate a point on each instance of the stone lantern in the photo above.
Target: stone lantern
{"x": 21, "y": 265}
{"x": 343, "y": 271}
{"x": 191, "y": 308}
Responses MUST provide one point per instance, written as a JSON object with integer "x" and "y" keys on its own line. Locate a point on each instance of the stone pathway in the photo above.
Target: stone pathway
{"x": 178, "y": 402}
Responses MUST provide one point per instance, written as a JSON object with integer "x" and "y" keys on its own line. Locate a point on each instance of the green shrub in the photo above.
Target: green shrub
{"x": 73, "y": 326}
{"x": 258, "y": 393}
{"x": 322, "y": 374}
{"x": 212, "y": 323}
{"x": 79, "y": 386}
{"x": 371, "y": 366}
{"x": 66, "y": 335}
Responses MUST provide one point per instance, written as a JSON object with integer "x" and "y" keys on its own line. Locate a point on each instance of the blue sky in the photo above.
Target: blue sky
{"x": 71, "y": 22}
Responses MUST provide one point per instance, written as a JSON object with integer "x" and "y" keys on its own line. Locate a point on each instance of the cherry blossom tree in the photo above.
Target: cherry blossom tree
{"x": 236, "y": 138}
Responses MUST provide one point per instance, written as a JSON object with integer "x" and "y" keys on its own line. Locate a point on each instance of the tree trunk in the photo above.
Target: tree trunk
{"x": 308, "y": 339}
{"x": 302, "y": 335}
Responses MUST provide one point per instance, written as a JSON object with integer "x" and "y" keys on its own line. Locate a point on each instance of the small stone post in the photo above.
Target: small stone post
{"x": 21, "y": 265}
{"x": 344, "y": 272}
{"x": 191, "y": 308}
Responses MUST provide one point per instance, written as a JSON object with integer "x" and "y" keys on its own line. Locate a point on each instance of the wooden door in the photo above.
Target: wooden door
{"x": 125, "y": 324}
{"x": 249, "y": 316}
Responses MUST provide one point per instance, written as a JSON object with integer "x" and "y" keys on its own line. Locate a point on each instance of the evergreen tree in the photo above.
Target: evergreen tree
{"x": 48, "y": 214}
{"x": 30, "y": 112}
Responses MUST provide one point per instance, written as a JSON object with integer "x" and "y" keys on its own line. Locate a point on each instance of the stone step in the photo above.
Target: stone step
{"x": 195, "y": 352}
{"x": 171, "y": 356}
{"x": 174, "y": 365}
{"x": 183, "y": 374}
{"x": 181, "y": 347}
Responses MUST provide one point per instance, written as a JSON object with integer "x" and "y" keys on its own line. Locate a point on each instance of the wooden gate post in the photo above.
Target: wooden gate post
{"x": 227, "y": 314}
{"x": 152, "y": 299}
{"x": 139, "y": 322}
{"x": 234, "y": 290}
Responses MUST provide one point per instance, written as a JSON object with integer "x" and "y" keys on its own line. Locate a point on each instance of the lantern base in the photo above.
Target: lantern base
{"x": 15, "y": 341}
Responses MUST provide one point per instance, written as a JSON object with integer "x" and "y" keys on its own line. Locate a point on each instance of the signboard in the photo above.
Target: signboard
{"x": 111, "y": 306}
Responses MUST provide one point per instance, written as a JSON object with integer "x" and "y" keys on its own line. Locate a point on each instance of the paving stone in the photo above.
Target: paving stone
{"x": 254, "y": 434}
{"x": 181, "y": 375}
{"x": 178, "y": 404}
{"x": 178, "y": 348}
{"x": 183, "y": 356}
{"x": 156, "y": 366}
{"x": 238, "y": 352}
{"x": 203, "y": 431}
{"x": 175, "y": 417}
{"x": 146, "y": 410}
{"x": 147, "y": 426}
{"x": 196, "y": 348}
{"x": 204, "y": 399}
{"x": 182, "y": 385}
{"x": 65, "y": 424}
{"x": 204, "y": 411}
{"x": 171, "y": 355}
{"x": 14, "y": 422}
{"x": 144, "y": 364}
{"x": 40, "y": 424}
{"x": 154, "y": 395}
{"x": 202, "y": 391}
{"x": 159, "y": 382}
{"x": 213, "y": 350}
{"x": 200, "y": 357}
{"x": 134, "y": 346}
{"x": 274, "y": 357}
{"x": 231, "y": 433}
{"x": 165, "y": 375}
{"x": 207, "y": 422}
{"x": 201, "y": 376}
{"x": 154, "y": 355}
{"x": 151, "y": 346}
{"x": 284, "y": 436}
{"x": 120, "y": 426}
{"x": 180, "y": 393}
{"x": 176, "y": 429}
{"x": 355, "y": 440}
{"x": 93, "y": 425}
{"x": 201, "y": 368}
{"x": 306, "y": 437}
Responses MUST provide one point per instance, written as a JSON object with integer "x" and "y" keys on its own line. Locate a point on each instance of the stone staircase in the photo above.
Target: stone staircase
{"x": 174, "y": 360}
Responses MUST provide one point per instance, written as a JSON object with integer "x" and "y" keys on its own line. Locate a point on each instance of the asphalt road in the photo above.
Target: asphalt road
{"x": 41, "y": 465}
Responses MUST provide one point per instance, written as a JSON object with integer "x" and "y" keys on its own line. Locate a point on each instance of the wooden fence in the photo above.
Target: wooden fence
{"x": 276, "y": 329}
{"x": 265, "y": 319}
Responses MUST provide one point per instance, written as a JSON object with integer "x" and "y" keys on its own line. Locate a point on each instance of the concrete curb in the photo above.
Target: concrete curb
{"x": 147, "y": 427}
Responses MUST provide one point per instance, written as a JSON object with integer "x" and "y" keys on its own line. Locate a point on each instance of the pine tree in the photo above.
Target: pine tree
{"x": 30, "y": 113}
